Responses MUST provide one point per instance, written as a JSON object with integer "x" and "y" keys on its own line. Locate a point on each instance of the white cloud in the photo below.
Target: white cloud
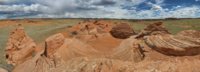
{"x": 72, "y": 8}
{"x": 58, "y": 4}
{"x": 156, "y": 7}
{"x": 7, "y": 0}
{"x": 136, "y": 2}
{"x": 159, "y": 1}
{"x": 179, "y": 12}
{"x": 95, "y": 9}
{"x": 22, "y": 8}
{"x": 186, "y": 12}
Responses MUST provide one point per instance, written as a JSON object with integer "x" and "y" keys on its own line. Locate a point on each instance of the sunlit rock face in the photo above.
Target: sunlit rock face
{"x": 122, "y": 31}
{"x": 19, "y": 47}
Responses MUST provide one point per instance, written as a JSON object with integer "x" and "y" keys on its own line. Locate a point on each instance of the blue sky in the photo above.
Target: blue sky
{"x": 129, "y": 9}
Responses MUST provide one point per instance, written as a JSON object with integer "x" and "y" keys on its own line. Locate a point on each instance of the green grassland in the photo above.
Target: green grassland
{"x": 40, "y": 32}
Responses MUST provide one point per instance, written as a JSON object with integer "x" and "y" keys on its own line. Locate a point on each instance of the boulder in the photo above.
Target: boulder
{"x": 122, "y": 31}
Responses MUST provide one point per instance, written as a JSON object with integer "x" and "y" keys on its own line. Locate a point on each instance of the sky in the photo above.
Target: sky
{"x": 120, "y": 9}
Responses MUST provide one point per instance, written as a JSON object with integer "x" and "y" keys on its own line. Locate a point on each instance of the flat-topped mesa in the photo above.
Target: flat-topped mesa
{"x": 19, "y": 47}
{"x": 122, "y": 31}
{"x": 162, "y": 41}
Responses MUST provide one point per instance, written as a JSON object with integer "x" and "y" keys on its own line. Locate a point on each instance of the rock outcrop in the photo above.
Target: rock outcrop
{"x": 97, "y": 65}
{"x": 91, "y": 27}
{"x": 153, "y": 29}
{"x": 3, "y": 70}
{"x": 173, "y": 45}
{"x": 73, "y": 48}
{"x": 129, "y": 50}
{"x": 122, "y": 31}
{"x": 190, "y": 33}
{"x": 160, "y": 39}
{"x": 90, "y": 30}
{"x": 84, "y": 64}
{"x": 97, "y": 46}
{"x": 52, "y": 44}
{"x": 19, "y": 47}
{"x": 169, "y": 65}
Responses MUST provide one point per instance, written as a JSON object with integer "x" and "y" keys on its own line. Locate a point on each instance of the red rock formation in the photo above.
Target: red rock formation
{"x": 129, "y": 50}
{"x": 90, "y": 30}
{"x": 122, "y": 31}
{"x": 52, "y": 43}
{"x": 153, "y": 29}
{"x": 19, "y": 47}
{"x": 190, "y": 33}
{"x": 98, "y": 51}
{"x": 91, "y": 27}
{"x": 172, "y": 45}
{"x": 156, "y": 28}
{"x": 191, "y": 36}
{"x": 178, "y": 45}
{"x": 3, "y": 70}
{"x": 73, "y": 48}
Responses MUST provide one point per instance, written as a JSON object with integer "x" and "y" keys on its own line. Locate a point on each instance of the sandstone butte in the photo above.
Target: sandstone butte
{"x": 103, "y": 46}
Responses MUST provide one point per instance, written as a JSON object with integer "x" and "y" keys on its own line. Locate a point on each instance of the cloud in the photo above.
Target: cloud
{"x": 185, "y": 12}
{"x": 156, "y": 7}
{"x": 130, "y": 3}
{"x": 93, "y": 9}
{"x": 179, "y": 12}
{"x": 22, "y": 8}
{"x": 7, "y": 1}
{"x": 159, "y": 1}
{"x": 105, "y": 2}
